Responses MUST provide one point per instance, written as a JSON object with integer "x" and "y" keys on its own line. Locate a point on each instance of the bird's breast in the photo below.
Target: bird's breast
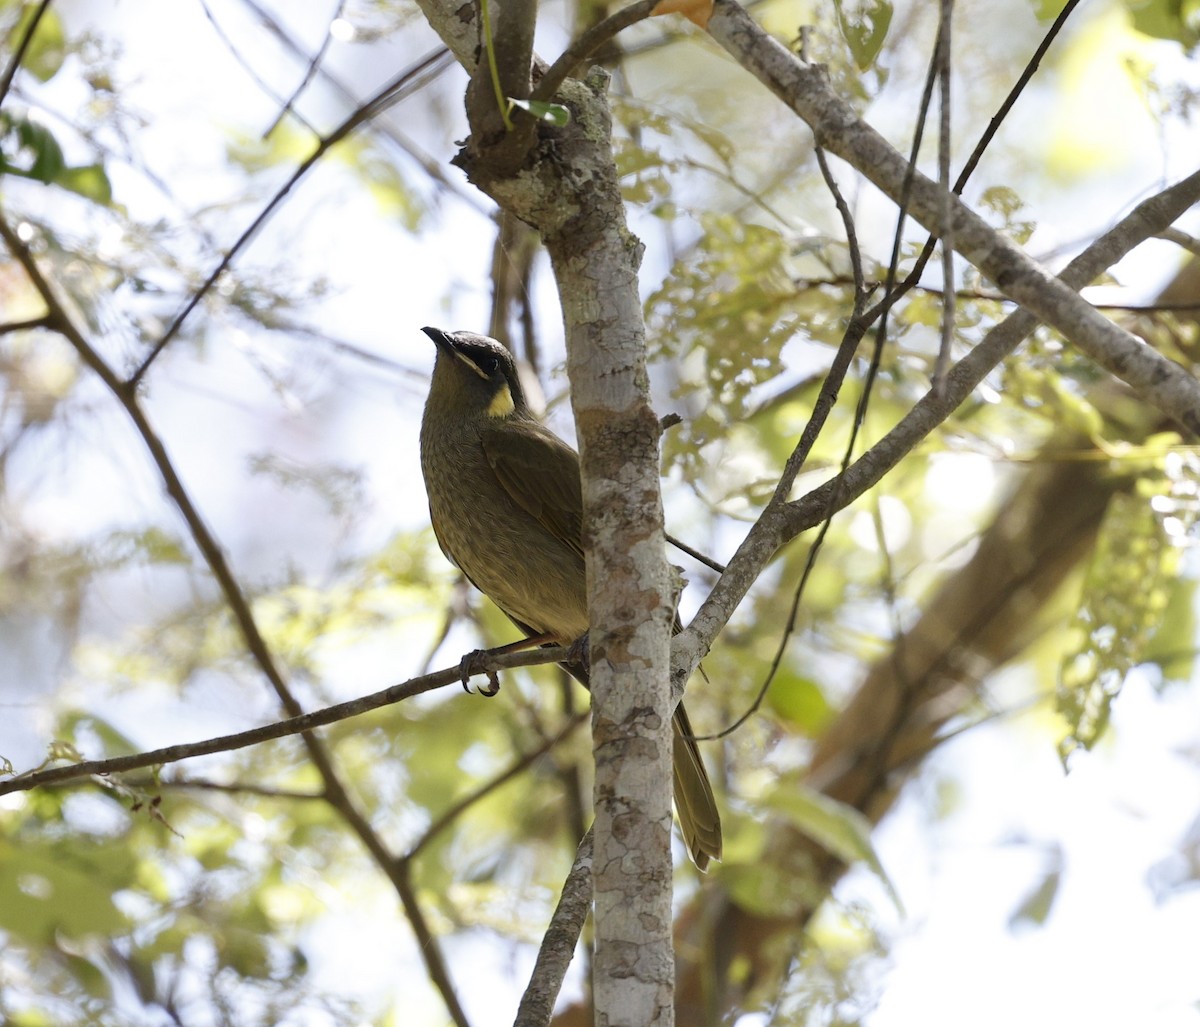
{"x": 509, "y": 555}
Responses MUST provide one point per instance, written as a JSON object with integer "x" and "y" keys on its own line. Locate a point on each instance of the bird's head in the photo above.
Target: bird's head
{"x": 474, "y": 376}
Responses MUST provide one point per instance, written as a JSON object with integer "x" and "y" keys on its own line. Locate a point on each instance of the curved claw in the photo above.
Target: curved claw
{"x": 474, "y": 663}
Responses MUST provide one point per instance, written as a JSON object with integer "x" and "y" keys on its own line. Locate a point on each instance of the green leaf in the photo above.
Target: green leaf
{"x": 1173, "y": 646}
{"x": 838, "y": 828}
{"x": 1177, "y": 20}
{"x": 799, "y": 702}
{"x": 1048, "y": 10}
{"x": 552, "y": 113}
{"x": 90, "y": 975}
{"x": 30, "y": 1018}
{"x": 1127, "y": 590}
{"x": 75, "y": 723}
{"x": 1036, "y": 906}
{"x": 29, "y": 149}
{"x": 89, "y": 181}
{"x": 48, "y": 48}
{"x": 60, "y": 890}
{"x": 864, "y": 27}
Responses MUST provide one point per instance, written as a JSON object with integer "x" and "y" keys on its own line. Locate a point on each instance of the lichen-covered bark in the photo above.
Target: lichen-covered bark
{"x": 565, "y": 186}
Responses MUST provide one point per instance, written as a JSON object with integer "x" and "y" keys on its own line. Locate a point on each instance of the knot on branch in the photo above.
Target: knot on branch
{"x": 551, "y": 177}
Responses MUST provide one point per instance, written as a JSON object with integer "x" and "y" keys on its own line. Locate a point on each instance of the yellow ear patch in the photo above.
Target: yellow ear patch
{"x": 502, "y": 403}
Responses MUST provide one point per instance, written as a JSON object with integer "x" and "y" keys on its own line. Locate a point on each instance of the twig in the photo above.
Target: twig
{"x": 806, "y": 90}
{"x": 1188, "y": 242}
{"x": 313, "y": 65}
{"x": 1014, "y": 94}
{"x": 335, "y": 792}
{"x": 860, "y": 321}
{"x": 408, "y": 81}
{"x": 10, "y": 72}
{"x": 246, "y": 66}
{"x": 695, "y": 554}
{"x": 892, "y": 294}
{"x": 842, "y": 281}
{"x": 280, "y": 729}
{"x": 776, "y": 529}
{"x": 410, "y": 149}
{"x": 204, "y": 784}
{"x": 25, "y": 326}
{"x": 427, "y": 942}
{"x": 946, "y": 228}
{"x": 1144, "y": 222}
{"x": 559, "y": 941}
{"x": 518, "y": 765}
{"x": 589, "y": 42}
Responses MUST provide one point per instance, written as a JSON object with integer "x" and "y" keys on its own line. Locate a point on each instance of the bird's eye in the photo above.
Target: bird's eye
{"x": 488, "y": 364}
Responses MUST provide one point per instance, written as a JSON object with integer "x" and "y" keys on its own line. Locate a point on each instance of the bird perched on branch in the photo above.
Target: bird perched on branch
{"x": 507, "y": 509}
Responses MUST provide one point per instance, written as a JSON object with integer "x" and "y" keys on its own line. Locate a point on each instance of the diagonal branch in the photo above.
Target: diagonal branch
{"x": 335, "y": 792}
{"x": 782, "y": 521}
{"x": 559, "y": 941}
{"x": 806, "y": 90}
{"x": 589, "y": 43}
{"x": 10, "y": 72}
{"x": 521, "y": 763}
{"x": 313, "y": 64}
{"x": 291, "y": 726}
{"x": 407, "y": 82}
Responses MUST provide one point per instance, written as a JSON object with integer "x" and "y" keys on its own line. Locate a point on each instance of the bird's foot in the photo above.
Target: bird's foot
{"x": 580, "y": 651}
{"x": 478, "y": 662}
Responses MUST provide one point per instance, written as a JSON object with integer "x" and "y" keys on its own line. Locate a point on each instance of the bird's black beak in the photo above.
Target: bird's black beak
{"x": 440, "y": 339}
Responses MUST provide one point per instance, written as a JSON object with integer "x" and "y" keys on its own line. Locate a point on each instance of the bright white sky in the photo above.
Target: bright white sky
{"x": 1110, "y": 953}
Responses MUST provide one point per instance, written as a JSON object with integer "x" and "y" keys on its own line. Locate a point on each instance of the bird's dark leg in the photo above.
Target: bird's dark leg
{"x": 478, "y": 662}
{"x": 580, "y": 652}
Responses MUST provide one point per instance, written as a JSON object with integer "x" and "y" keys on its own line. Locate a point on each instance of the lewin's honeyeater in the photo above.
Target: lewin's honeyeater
{"x": 507, "y": 508}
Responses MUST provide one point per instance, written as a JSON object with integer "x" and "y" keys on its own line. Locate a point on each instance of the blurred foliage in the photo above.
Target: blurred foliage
{"x": 1133, "y": 596}
{"x": 221, "y": 889}
{"x": 30, "y": 150}
{"x": 864, "y": 27}
{"x": 45, "y": 52}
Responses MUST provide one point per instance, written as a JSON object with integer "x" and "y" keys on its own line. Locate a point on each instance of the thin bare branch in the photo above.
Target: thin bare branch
{"x": 1014, "y": 94}
{"x": 781, "y": 522}
{"x": 294, "y": 725}
{"x": 946, "y": 227}
{"x": 1188, "y": 242}
{"x": 1142, "y": 223}
{"x": 310, "y": 72}
{"x": 695, "y": 554}
{"x": 844, "y": 281}
{"x": 520, "y": 764}
{"x": 335, "y": 793}
{"x": 559, "y": 941}
{"x": 248, "y": 66}
{"x": 407, "y": 82}
{"x": 427, "y": 943}
{"x": 26, "y": 326}
{"x": 589, "y": 43}
{"x": 433, "y": 168}
{"x": 807, "y": 92}
{"x": 181, "y": 782}
{"x": 10, "y": 72}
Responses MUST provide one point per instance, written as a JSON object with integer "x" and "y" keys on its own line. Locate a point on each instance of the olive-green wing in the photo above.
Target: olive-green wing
{"x": 541, "y": 473}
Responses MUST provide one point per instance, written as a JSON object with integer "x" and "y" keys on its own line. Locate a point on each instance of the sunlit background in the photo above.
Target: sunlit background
{"x": 289, "y": 404}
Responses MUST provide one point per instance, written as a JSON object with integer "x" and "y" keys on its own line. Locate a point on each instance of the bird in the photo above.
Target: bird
{"x": 506, "y": 505}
